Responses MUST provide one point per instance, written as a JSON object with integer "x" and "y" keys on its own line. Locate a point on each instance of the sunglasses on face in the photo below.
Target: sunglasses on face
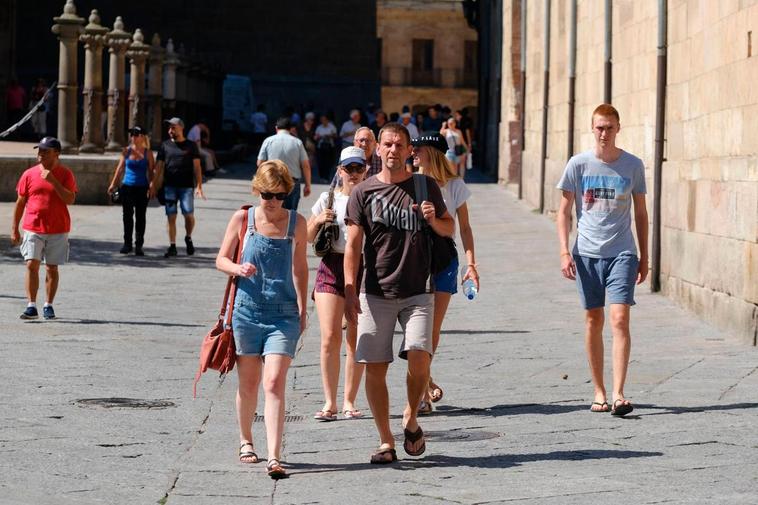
{"x": 269, "y": 196}
{"x": 354, "y": 168}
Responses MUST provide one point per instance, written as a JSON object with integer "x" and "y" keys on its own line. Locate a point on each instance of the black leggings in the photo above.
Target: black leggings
{"x": 134, "y": 204}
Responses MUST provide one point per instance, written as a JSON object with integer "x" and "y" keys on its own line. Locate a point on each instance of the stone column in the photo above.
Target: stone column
{"x": 155, "y": 90}
{"x": 170, "y": 63}
{"x": 93, "y": 39}
{"x": 118, "y": 42}
{"x": 137, "y": 53}
{"x": 68, "y": 27}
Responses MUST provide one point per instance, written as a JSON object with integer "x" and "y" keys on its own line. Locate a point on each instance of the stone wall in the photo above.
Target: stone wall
{"x": 92, "y": 172}
{"x": 709, "y": 239}
{"x": 398, "y": 23}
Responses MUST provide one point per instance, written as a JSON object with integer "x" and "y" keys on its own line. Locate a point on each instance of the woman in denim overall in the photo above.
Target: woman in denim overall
{"x": 269, "y": 309}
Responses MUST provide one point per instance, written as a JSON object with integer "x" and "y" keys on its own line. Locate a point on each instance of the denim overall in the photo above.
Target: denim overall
{"x": 266, "y": 318}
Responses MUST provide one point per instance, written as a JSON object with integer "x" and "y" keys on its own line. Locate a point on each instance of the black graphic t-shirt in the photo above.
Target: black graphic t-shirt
{"x": 178, "y": 158}
{"x": 395, "y": 252}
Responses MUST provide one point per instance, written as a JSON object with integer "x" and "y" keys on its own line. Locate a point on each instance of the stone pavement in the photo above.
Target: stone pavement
{"x": 513, "y": 426}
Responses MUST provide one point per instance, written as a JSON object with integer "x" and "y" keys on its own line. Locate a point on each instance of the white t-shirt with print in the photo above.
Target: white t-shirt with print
{"x": 340, "y": 207}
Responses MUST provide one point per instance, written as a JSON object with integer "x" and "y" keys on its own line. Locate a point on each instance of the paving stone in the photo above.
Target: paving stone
{"x": 513, "y": 427}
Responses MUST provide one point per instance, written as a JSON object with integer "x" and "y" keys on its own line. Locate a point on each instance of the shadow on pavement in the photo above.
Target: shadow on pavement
{"x": 100, "y": 252}
{"x": 500, "y": 461}
{"x": 690, "y": 410}
{"x": 510, "y": 410}
{"x": 127, "y": 323}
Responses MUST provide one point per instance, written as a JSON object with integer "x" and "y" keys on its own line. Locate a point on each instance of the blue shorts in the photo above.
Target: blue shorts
{"x": 617, "y": 276}
{"x": 265, "y": 329}
{"x": 185, "y": 197}
{"x": 447, "y": 280}
{"x": 450, "y": 154}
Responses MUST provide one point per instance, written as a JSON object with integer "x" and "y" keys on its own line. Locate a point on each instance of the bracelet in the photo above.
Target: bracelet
{"x": 472, "y": 265}
{"x": 566, "y": 254}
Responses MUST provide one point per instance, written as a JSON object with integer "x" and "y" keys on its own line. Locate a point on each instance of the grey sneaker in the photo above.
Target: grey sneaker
{"x": 48, "y": 312}
{"x": 30, "y": 313}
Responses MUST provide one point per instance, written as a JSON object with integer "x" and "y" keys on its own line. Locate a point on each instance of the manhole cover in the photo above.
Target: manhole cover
{"x": 456, "y": 436}
{"x": 124, "y": 403}
{"x": 287, "y": 419}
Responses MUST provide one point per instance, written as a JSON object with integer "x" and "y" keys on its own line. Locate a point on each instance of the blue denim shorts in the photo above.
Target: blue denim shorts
{"x": 185, "y": 197}
{"x": 447, "y": 280}
{"x": 595, "y": 276}
{"x": 265, "y": 329}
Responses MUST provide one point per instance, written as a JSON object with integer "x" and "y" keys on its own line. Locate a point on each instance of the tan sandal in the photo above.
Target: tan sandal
{"x": 275, "y": 470}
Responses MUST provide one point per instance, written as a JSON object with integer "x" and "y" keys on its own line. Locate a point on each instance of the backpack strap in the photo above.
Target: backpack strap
{"x": 421, "y": 193}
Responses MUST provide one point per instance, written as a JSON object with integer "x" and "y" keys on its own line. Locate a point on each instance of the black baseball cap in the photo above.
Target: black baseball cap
{"x": 136, "y": 130}
{"x": 432, "y": 139}
{"x": 49, "y": 143}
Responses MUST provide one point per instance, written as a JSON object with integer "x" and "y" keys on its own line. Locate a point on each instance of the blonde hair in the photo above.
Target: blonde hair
{"x": 272, "y": 174}
{"x": 439, "y": 168}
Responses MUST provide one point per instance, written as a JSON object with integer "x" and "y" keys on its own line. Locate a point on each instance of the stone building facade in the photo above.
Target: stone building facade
{"x": 428, "y": 54}
{"x": 709, "y": 202}
{"x": 320, "y": 55}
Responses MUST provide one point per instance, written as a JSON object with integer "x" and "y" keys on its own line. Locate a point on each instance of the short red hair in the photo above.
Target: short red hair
{"x": 607, "y": 110}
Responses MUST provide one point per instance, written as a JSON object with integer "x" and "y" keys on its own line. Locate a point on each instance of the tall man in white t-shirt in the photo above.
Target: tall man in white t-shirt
{"x": 603, "y": 183}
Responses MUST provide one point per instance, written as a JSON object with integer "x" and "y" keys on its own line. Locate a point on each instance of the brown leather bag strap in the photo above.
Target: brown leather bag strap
{"x": 231, "y": 284}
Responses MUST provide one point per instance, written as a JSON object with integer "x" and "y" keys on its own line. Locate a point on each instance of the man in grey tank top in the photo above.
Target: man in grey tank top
{"x": 605, "y": 184}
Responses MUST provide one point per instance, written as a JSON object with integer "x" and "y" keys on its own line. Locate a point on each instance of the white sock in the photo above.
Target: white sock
{"x": 48, "y": 304}
{"x": 31, "y": 304}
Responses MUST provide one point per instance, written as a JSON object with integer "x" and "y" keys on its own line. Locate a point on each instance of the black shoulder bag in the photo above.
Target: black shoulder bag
{"x": 442, "y": 249}
{"x": 327, "y": 233}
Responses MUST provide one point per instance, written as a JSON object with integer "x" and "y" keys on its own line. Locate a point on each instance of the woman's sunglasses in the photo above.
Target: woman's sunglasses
{"x": 270, "y": 196}
{"x": 354, "y": 168}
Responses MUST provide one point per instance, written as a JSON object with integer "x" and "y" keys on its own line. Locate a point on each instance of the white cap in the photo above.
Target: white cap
{"x": 352, "y": 154}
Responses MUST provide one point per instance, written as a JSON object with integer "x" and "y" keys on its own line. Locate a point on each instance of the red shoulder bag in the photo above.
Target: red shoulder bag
{"x": 217, "y": 351}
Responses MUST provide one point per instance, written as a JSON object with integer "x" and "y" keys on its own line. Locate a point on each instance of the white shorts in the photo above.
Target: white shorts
{"x": 53, "y": 247}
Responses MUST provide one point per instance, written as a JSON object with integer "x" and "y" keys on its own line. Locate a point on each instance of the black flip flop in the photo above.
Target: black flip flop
{"x": 378, "y": 458}
{"x": 621, "y": 410}
{"x": 412, "y": 437}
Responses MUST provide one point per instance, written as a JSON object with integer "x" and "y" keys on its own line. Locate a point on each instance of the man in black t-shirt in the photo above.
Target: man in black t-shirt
{"x": 397, "y": 283}
{"x": 178, "y": 170}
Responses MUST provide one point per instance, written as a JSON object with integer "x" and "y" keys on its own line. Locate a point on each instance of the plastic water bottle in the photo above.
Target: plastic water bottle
{"x": 469, "y": 288}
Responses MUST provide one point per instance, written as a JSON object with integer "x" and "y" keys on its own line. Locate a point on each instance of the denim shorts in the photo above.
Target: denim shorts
{"x": 185, "y": 197}
{"x": 595, "y": 276}
{"x": 450, "y": 154}
{"x": 447, "y": 280}
{"x": 265, "y": 329}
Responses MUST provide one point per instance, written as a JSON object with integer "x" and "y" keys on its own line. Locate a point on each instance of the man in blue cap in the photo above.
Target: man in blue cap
{"x": 44, "y": 192}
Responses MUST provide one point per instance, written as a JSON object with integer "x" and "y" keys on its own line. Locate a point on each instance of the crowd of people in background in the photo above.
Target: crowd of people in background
{"x": 324, "y": 136}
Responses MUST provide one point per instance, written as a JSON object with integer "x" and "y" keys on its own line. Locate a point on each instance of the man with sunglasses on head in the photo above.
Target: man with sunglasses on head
{"x": 397, "y": 284}
{"x": 178, "y": 170}
{"x": 290, "y": 150}
{"x": 44, "y": 192}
